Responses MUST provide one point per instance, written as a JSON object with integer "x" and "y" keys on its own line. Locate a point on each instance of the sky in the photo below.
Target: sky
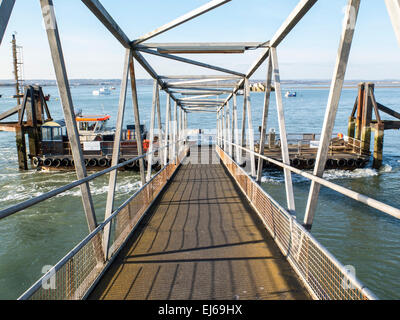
{"x": 308, "y": 52}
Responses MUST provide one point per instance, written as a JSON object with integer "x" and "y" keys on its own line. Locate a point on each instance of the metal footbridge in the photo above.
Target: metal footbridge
{"x": 202, "y": 227}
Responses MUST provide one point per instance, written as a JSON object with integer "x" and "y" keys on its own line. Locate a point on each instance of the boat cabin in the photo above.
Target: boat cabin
{"x": 92, "y": 127}
{"x": 54, "y": 134}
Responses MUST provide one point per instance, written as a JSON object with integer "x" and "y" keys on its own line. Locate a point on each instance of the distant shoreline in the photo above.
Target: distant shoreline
{"x": 346, "y": 87}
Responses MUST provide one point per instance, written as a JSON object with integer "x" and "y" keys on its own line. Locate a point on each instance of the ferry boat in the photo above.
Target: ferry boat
{"x": 97, "y": 141}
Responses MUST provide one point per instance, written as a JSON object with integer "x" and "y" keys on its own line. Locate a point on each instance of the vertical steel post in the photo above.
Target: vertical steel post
{"x": 282, "y": 131}
{"x": 228, "y": 128}
{"x": 116, "y": 150}
{"x": 137, "y": 120}
{"x": 393, "y": 7}
{"x": 160, "y": 132}
{"x": 6, "y": 8}
{"x": 331, "y": 109}
{"x": 232, "y": 133}
{"x": 223, "y": 125}
{"x": 167, "y": 125}
{"x": 217, "y": 128}
{"x": 151, "y": 138}
{"x": 236, "y": 129}
{"x": 243, "y": 141}
{"x": 67, "y": 105}
{"x": 250, "y": 133}
{"x": 175, "y": 124}
{"x": 264, "y": 119}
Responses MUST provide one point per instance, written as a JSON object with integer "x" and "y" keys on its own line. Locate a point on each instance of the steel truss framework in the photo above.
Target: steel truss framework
{"x": 204, "y": 93}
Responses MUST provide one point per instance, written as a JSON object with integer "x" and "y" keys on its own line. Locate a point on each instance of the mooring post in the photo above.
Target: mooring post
{"x": 378, "y": 145}
{"x": 351, "y": 127}
{"x": 360, "y": 106}
{"x": 21, "y": 147}
{"x": 366, "y": 119}
{"x": 34, "y": 117}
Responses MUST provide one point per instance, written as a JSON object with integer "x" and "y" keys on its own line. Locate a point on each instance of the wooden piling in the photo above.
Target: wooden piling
{"x": 359, "y": 110}
{"x": 21, "y": 147}
{"x": 378, "y": 145}
{"x": 351, "y": 130}
{"x": 367, "y": 118}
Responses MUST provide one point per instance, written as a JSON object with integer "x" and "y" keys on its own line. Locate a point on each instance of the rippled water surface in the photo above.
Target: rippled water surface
{"x": 355, "y": 234}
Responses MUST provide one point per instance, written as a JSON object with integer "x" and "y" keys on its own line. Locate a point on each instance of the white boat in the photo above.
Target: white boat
{"x": 101, "y": 91}
{"x": 290, "y": 94}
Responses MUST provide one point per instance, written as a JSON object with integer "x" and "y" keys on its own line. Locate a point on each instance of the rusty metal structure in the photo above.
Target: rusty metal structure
{"x": 80, "y": 270}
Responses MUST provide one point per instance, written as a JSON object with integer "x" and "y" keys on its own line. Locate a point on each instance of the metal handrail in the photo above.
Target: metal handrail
{"x": 28, "y": 203}
{"x": 37, "y": 285}
{"x": 342, "y": 190}
{"x": 85, "y": 241}
{"x": 350, "y": 277}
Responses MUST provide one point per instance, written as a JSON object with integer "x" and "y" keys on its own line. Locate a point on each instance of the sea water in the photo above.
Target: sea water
{"x": 355, "y": 234}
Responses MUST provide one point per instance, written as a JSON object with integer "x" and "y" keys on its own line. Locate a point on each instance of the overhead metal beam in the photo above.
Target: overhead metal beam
{"x": 206, "y": 47}
{"x": 197, "y": 97}
{"x": 332, "y": 106}
{"x": 197, "y": 93}
{"x": 200, "y": 81}
{"x": 291, "y": 21}
{"x": 186, "y": 17}
{"x": 189, "y": 61}
{"x": 101, "y": 13}
{"x": 205, "y": 86}
{"x": 193, "y": 77}
{"x": 208, "y": 90}
{"x": 295, "y": 16}
{"x": 393, "y": 7}
{"x": 6, "y": 8}
{"x": 105, "y": 18}
{"x": 68, "y": 107}
{"x": 188, "y": 102}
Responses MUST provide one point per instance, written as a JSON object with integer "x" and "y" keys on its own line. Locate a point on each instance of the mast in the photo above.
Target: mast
{"x": 16, "y": 70}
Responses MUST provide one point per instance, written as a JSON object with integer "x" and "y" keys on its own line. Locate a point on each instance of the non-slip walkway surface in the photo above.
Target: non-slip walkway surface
{"x": 201, "y": 240}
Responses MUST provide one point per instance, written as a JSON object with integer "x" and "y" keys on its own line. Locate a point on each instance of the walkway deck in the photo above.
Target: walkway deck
{"x": 201, "y": 240}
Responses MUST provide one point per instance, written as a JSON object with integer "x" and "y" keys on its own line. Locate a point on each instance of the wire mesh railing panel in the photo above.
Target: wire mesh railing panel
{"x": 72, "y": 279}
{"x": 324, "y": 277}
{"x": 76, "y": 273}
